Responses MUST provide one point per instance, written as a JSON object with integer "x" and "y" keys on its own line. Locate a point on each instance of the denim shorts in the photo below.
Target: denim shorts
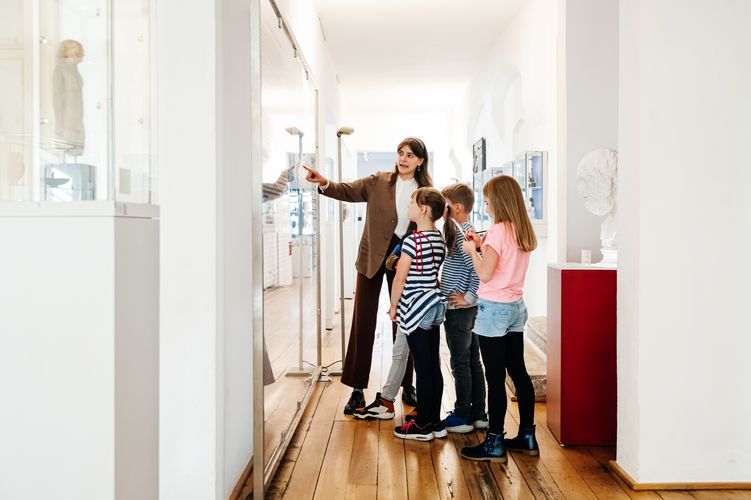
{"x": 496, "y": 319}
{"x": 433, "y": 316}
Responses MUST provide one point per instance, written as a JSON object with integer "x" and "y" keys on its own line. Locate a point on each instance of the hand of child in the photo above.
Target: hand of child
{"x": 392, "y": 313}
{"x": 473, "y": 236}
{"x": 457, "y": 299}
{"x": 469, "y": 246}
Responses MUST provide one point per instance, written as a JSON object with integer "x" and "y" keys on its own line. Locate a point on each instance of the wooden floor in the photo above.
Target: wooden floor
{"x": 332, "y": 456}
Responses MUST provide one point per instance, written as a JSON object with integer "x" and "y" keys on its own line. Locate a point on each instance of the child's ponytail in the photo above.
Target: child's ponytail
{"x": 449, "y": 230}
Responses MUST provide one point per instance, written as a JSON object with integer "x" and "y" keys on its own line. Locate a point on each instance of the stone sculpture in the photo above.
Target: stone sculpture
{"x": 597, "y": 174}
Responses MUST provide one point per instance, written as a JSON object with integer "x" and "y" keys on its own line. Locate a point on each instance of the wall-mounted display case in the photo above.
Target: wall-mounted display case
{"x": 529, "y": 170}
{"x": 76, "y": 101}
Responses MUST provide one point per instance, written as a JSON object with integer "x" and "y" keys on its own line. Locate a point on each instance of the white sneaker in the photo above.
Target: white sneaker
{"x": 480, "y": 422}
{"x": 381, "y": 408}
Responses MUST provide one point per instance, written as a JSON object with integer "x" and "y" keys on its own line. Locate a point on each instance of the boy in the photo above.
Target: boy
{"x": 459, "y": 283}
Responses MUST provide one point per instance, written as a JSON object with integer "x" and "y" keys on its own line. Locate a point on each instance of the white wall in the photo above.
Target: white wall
{"x": 206, "y": 296}
{"x": 512, "y": 103}
{"x": 683, "y": 343}
{"x": 588, "y": 108}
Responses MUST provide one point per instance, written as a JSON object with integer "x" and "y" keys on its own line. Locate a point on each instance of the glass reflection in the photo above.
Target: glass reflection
{"x": 290, "y": 219}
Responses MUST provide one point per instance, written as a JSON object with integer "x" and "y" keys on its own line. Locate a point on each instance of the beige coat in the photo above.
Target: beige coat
{"x": 378, "y": 190}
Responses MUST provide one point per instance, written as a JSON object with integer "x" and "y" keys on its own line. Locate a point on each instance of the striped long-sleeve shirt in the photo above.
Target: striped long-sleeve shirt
{"x": 458, "y": 274}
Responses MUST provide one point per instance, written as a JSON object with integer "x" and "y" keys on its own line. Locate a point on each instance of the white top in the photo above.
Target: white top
{"x": 404, "y": 190}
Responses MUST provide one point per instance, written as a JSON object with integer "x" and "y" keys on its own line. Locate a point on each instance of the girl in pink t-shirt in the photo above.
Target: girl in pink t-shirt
{"x": 501, "y": 315}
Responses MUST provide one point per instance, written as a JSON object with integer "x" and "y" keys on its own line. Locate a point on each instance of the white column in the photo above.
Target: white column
{"x": 206, "y": 295}
{"x": 684, "y": 207}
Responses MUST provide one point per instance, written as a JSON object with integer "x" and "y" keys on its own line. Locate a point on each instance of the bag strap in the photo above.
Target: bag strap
{"x": 461, "y": 229}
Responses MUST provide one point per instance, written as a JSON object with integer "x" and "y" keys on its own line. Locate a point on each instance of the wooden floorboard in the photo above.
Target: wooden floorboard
{"x": 334, "y": 457}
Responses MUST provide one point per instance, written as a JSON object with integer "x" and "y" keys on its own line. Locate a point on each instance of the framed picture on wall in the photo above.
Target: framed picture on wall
{"x": 478, "y": 156}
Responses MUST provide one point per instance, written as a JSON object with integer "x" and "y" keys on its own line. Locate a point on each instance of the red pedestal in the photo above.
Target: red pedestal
{"x": 581, "y": 354}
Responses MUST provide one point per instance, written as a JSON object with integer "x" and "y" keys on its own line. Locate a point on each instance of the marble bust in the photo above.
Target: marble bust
{"x": 597, "y": 176}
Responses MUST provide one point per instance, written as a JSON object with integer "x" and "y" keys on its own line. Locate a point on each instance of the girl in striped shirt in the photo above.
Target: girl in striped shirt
{"x": 419, "y": 308}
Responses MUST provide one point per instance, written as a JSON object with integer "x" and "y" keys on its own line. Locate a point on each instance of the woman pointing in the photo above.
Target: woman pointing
{"x": 387, "y": 195}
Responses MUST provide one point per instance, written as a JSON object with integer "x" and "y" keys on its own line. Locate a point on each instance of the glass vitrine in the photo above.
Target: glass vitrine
{"x": 529, "y": 172}
{"x": 76, "y": 101}
{"x": 290, "y": 215}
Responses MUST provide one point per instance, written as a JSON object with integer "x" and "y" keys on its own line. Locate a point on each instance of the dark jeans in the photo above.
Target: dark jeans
{"x": 464, "y": 346}
{"x": 500, "y": 354}
{"x": 425, "y": 348}
{"x": 356, "y": 369}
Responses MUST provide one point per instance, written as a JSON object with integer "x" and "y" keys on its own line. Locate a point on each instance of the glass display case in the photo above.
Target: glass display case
{"x": 480, "y": 218}
{"x": 529, "y": 172}
{"x": 76, "y": 101}
{"x": 290, "y": 350}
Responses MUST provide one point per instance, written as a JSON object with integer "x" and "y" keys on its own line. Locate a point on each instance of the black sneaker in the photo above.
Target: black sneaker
{"x": 439, "y": 431}
{"x": 411, "y": 430}
{"x": 409, "y": 396}
{"x": 356, "y": 400}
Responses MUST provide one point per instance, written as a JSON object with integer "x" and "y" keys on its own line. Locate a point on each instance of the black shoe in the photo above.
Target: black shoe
{"x": 490, "y": 450}
{"x": 409, "y": 396}
{"x": 356, "y": 400}
{"x": 525, "y": 442}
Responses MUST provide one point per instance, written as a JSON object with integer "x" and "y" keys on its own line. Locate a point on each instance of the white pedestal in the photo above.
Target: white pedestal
{"x": 79, "y": 350}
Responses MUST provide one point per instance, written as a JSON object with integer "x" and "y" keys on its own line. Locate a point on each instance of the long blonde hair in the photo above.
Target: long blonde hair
{"x": 505, "y": 198}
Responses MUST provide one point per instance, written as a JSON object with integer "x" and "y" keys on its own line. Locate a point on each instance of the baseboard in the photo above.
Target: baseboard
{"x": 626, "y": 477}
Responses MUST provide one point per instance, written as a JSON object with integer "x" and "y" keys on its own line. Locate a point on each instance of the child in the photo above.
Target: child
{"x": 383, "y": 405}
{"x": 419, "y": 308}
{"x": 459, "y": 284}
{"x": 501, "y": 316}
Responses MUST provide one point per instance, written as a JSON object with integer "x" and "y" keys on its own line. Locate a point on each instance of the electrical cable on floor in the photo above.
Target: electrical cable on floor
{"x": 325, "y": 369}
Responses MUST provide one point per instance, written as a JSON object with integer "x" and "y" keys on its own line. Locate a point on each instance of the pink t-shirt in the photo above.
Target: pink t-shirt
{"x": 507, "y": 281}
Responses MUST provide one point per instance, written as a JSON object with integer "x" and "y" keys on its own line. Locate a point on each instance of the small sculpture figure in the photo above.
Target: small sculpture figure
{"x": 597, "y": 174}
{"x": 67, "y": 97}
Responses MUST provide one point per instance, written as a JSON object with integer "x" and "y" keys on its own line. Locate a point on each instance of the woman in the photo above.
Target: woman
{"x": 388, "y": 195}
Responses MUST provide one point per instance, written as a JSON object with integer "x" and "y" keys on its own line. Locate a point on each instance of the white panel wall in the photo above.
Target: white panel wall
{"x": 190, "y": 439}
{"x": 206, "y": 295}
{"x": 590, "y": 113}
{"x": 683, "y": 342}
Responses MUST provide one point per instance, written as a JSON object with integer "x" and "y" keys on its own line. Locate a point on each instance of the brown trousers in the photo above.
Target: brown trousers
{"x": 356, "y": 369}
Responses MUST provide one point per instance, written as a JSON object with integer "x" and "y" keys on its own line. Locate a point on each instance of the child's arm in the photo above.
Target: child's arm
{"x": 484, "y": 264}
{"x": 397, "y": 287}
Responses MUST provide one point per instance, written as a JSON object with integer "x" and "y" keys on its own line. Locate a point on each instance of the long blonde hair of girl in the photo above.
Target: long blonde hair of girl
{"x": 505, "y": 198}
{"x": 432, "y": 198}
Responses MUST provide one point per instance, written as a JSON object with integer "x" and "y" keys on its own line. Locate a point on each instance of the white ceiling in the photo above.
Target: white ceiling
{"x": 410, "y": 55}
